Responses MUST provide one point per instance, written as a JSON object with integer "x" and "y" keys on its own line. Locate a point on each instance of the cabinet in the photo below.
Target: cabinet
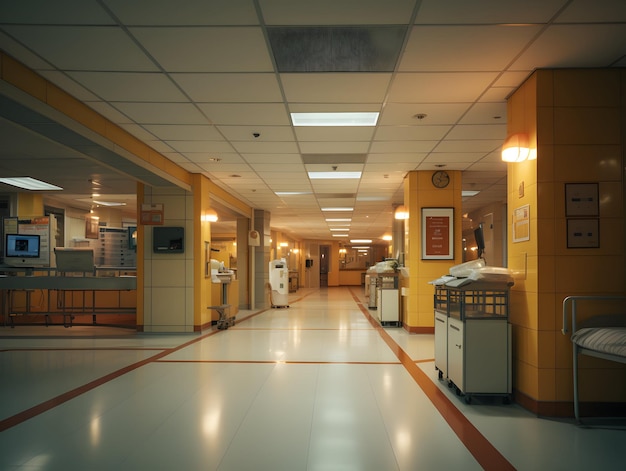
{"x": 473, "y": 340}
{"x": 441, "y": 343}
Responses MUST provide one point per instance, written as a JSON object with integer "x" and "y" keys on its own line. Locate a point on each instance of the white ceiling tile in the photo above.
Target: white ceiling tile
{"x": 262, "y": 114}
{"x": 398, "y": 157}
{"x": 209, "y": 158}
{"x": 260, "y": 147}
{"x": 486, "y": 11}
{"x": 84, "y": 47}
{"x": 334, "y": 147}
{"x": 491, "y": 131}
{"x": 595, "y": 11}
{"x": 327, "y": 133}
{"x": 200, "y": 146}
{"x": 192, "y": 13}
{"x": 575, "y": 46}
{"x": 440, "y": 87}
{"x": 223, "y": 87}
{"x": 436, "y": 114}
{"x": 275, "y": 159}
{"x": 305, "y": 12}
{"x": 450, "y": 157}
{"x": 170, "y": 132}
{"x": 162, "y": 113}
{"x": 265, "y": 133}
{"x": 411, "y": 133}
{"x": 335, "y": 88}
{"x": 384, "y": 147}
{"x": 485, "y": 113}
{"x": 240, "y": 49}
{"x": 129, "y": 86}
{"x": 285, "y": 167}
{"x": 465, "y": 48}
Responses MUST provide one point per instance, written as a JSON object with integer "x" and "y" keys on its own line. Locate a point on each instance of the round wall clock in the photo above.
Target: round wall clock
{"x": 441, "y": 179}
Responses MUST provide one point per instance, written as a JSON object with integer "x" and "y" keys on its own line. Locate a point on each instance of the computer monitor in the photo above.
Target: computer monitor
{"x": 480, "y": 240}
{"x": 22, "y": 246}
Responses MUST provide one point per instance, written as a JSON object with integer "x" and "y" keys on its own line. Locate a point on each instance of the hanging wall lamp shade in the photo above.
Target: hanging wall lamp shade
{"x": 401, "y": 212}
{"x": 516, "y": 148}
{"x": 211, "y": 215}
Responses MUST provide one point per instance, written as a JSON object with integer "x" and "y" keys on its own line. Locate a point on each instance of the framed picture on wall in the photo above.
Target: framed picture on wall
{"x": 437, "y": 233}
{"x": 521, "y": 223}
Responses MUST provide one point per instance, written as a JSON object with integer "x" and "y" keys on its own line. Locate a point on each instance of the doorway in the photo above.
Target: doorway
{"x": 324, "y": 265}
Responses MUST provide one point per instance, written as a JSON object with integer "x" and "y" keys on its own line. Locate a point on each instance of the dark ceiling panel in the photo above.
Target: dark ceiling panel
{"x": 336, "y": 49}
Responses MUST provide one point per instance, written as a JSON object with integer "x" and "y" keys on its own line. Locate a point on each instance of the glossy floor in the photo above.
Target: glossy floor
{"x": 315, "y": 386}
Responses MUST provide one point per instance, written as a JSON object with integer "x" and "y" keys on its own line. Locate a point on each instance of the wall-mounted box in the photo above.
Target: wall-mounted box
{"x": 168, "y": 239}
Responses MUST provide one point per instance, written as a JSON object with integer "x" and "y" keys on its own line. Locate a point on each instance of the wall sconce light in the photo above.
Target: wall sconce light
{"x": 211, "y": 215}
{"x": 401, "y": 212}
{"x": 516, "y": 148}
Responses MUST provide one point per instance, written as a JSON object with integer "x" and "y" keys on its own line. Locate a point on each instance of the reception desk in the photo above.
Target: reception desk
{"x": 67, "y": 296}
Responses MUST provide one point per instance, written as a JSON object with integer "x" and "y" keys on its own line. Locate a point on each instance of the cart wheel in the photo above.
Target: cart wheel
{"x": 440, "y": 374}
{"x": 458, "y": 391}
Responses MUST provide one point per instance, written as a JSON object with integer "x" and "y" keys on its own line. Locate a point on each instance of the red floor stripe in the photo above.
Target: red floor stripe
{"x": 45, "y": 406}
{"x": 484, "y": 452}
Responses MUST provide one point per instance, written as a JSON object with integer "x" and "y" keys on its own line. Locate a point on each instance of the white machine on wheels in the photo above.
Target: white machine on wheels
{"x": 279, "y": 283}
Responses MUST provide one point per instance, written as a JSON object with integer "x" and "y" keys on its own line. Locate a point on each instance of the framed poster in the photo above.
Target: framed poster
{"x": 437, "y": 233}
{"x": 521, "y": 223}
{"x": 581, "y": 199}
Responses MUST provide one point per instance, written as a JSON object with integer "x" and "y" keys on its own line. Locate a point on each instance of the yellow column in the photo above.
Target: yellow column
{"x": 29, "y": 205}
{"x": 201, "y": 251}
{"x": 420, "y": 192}
{"x": 573, "y": 118}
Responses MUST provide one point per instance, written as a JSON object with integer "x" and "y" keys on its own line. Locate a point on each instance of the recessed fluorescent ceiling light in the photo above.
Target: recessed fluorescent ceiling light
{"x": 289, "y": 193}
{"x": 465, "y": 193}
{"x": 337, "y": 209}
{"x": 340, "y": 229}
{"x": 109, "y": 203}
{"x": 29, "y": 183}
{"x": 339, "y": 235}
{"x": 360, "y": 241}
{"x": 334, "y": 175}
{"x": 334, "y": 119}
{"x": 339, "y": 220}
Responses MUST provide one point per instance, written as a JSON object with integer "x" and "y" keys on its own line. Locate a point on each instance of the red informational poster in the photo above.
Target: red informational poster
{"x": 437, "y": 236}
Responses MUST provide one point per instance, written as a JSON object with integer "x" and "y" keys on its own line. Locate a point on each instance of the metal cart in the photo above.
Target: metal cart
{"x": 473, "y": 339}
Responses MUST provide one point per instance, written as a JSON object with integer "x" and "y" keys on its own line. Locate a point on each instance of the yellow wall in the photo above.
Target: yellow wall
{"x": 29, "y": 205}
{"x": 573, "y": 117}
{"x": 419, "y": 193}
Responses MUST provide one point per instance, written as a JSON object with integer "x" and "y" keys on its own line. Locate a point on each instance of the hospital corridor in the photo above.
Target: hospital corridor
{"x": 315, "y": 386}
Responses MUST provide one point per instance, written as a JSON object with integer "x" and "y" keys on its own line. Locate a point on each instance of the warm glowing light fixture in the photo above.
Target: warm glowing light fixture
{"x": 211, "y": 215}
{"x": 516, "y": 148}
{"x": 401, "y": 212}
